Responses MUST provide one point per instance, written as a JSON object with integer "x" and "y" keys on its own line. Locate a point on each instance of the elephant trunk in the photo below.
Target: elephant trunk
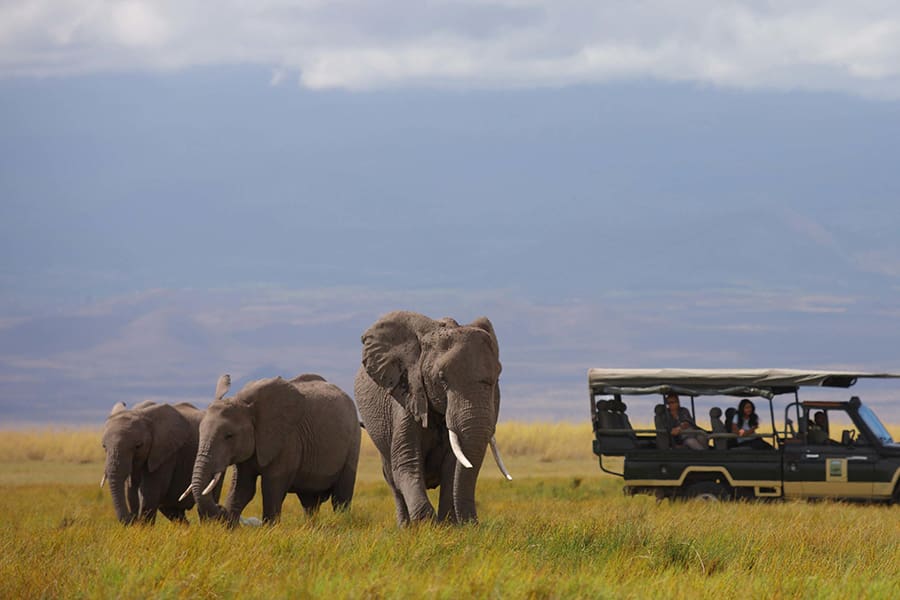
{"x": 117, "y": 478}
{"x": 473, "y": 443}
{"x": 117, "y": 472}
{"x": 202, "y": 475}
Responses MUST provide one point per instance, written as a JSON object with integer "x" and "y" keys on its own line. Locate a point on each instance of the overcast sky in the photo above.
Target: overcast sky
{"x": 185, "y": 192}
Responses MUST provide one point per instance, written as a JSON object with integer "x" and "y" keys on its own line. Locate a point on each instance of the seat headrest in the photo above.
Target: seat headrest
{"x": 715, "y": 412}
{"x": 659, "y": 409}
{"x": 615, "y": 406}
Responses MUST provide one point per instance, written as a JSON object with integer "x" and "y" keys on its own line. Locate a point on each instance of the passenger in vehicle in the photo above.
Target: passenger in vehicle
{"x": 744, "y": 424}
{"x": 818, "y": 428}
{"x": 680, "y": 424}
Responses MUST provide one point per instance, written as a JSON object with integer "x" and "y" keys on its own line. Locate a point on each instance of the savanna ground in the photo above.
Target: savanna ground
{"x": 561, "y": 529}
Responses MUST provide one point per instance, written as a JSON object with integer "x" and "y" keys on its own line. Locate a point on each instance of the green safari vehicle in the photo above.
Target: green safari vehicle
{"x": 824, "y": 448}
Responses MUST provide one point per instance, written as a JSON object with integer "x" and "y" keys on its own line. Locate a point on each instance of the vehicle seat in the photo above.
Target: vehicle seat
{"x": 729, "y": 419}
{"x": 663, "y": 439}
{"x": 717, "y": 426}
{"x": 612, "y": 416}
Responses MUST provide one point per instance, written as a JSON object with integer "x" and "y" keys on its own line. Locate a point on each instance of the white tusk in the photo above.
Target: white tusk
{"x": 498, "y": 459}
{"x": 186, "y": 493}
{"x": 140, "y": 503}
{"x": 212, "y": 483}
{"x": 102, "y": 481}
{"x": 457, "y": 450}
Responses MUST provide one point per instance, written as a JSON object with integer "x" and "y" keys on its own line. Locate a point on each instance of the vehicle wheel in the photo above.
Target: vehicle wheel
{"x": 706, "y": 490}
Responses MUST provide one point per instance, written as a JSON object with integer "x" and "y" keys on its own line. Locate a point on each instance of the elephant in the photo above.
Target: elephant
{"x": 150, "y": 452}
{"x": 429, "y": 398}
{"x": 298, "y": 436}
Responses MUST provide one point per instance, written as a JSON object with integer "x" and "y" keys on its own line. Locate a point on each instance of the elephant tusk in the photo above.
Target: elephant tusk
{"x": 499, "y": 460}
{"x": 140, "y": 503}
{"x": 212, "y": 483}
{"x": 457, "y": 450}
{"x": 186, "y": 493}
{"x": 102, "y": 481}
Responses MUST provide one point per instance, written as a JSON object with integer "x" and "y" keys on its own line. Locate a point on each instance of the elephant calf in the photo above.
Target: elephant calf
{"x": 300, "y": 436}
{"x": 150, "y": 453}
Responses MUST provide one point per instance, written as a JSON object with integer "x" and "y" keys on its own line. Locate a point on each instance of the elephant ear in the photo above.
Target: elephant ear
{"x": 276, "y": 406}
{"x": 392, "y": 357}
{"x": 485, "y": 324}
{"x": 170, "y": 431}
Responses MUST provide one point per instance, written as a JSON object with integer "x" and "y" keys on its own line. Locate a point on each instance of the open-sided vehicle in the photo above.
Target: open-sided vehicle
{"x": 849, "y": 455}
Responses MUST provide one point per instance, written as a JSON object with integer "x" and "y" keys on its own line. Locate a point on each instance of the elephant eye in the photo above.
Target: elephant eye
{"x": 139, "y": 444}
{"x": 229, "y": 435}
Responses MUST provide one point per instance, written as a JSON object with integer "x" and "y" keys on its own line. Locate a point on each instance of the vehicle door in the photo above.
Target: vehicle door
{"x": 831, "y": 464}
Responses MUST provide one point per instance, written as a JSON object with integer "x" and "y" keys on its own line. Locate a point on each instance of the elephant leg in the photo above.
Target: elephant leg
{"x": 446, "y": 512}
{"x": 243, "y": 488}
{"x": 273, "y": 492}
{"x": 342, "y": 493}
{"x": 310, "y": 502}
{"x": 176, "y": 515}
{"x": 407, "y": 468}
{"x": 148, "y": 517}
{"x": 399, "y": 502}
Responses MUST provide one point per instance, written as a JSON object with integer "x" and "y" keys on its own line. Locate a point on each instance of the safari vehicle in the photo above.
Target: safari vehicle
{"x": 849, "y": 455}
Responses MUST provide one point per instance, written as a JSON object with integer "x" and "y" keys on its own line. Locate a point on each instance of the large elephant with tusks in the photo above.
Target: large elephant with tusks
{"x": 429, "y": 398}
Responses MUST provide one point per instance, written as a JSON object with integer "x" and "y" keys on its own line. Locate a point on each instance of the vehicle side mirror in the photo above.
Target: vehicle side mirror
{"x": 847, "y": 438}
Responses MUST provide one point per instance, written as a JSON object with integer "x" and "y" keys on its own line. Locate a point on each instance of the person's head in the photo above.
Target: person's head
{"x": 747, "y": 412}
{"x": 673, "y": 402}
{"x": 819, "y": 418}
{"x": 746, "y": 408}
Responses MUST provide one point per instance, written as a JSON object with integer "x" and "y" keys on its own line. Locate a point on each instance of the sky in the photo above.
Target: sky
{"x": 187, "y": 192}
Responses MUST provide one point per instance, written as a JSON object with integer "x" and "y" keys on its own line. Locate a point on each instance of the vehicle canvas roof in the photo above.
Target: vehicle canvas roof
{"x": 726, "y": 382}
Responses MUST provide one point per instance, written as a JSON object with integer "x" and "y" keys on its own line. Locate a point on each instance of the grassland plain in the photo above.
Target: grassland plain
{"x": 561, "y": 529}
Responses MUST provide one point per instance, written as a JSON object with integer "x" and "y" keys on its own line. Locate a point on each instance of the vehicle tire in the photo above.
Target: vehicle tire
{"x": 708, "y": 491}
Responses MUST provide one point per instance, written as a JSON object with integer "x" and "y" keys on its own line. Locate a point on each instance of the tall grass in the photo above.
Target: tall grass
{"x": 564, "y": 534}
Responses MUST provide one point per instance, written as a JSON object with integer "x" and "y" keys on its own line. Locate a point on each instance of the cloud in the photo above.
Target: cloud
{"x": 353, "y": 44}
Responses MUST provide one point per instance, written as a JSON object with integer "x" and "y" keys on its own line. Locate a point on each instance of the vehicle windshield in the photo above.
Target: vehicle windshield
{"x": 875, "y": 425}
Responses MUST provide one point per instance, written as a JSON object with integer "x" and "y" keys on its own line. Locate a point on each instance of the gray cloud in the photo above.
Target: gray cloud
{"x": 833, "y": 45}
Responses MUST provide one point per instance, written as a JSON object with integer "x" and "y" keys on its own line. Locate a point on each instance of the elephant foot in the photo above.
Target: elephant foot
{"x": 425, "y": 513}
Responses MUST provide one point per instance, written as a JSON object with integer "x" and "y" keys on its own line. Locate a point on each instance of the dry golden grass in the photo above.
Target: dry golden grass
{"x": 73, "y": 445}
{"x": 561, "y": 529}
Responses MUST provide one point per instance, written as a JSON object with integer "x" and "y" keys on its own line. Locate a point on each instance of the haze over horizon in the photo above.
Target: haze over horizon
{"x": 187, "y": 193}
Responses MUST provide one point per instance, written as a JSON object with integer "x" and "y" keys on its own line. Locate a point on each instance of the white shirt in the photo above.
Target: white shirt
{"x": 741, "y": 424}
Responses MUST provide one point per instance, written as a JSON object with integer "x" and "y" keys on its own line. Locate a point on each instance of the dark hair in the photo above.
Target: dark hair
{"x": 754, "y": 419}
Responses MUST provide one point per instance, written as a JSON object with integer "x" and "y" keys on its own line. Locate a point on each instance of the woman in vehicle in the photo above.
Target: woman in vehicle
{"x": 744, "y": 425}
